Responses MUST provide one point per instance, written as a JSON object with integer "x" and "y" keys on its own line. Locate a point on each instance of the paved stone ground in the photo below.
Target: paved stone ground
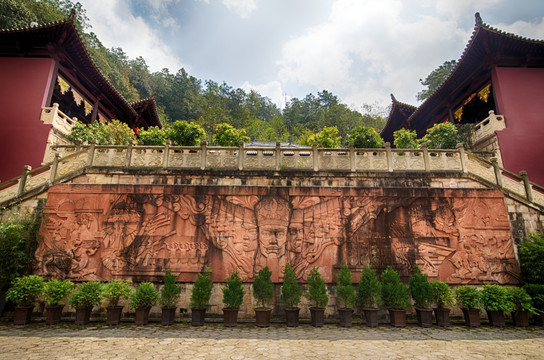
{"x": 214, "y": 341}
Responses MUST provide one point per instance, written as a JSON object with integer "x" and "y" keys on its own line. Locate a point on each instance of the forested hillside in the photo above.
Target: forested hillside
{"x": 180, "y": 96}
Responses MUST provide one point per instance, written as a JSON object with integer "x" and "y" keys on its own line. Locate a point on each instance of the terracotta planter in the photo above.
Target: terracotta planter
{"x": 83, "y": 316}
{"x": 345, "y": 315}
{"x": 318, "y": 316}
{"x": 472, "y": 317}
{"x": 168, "y": 316}
{"x": 113, "y": 315}
{"x": 262, "y": 317}
{"x": 22, "y": 315}
{"x": 53, "y": 314}
{"x": 520, "y": 318}
{"x": 371, "y": 317}
{"x": 397, "y": 317}
{"x": 198, "y": 316}
{"x": 230, "y": 317}
{"x": 496, "y": 318}
{"x": 442, "y": 316}
{"x": 291, "y": 317}
{"x": 142, "y": 315}
{"x": 539, "y": 319}
{"x": 424, "y": 317}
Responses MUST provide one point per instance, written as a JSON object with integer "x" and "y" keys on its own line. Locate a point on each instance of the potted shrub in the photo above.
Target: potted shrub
{"x": 521, "y": 305}
{"x": 263, "y": 290}
{"x": 346, "y": 295}
{"x": 536, "y": 292}
{"x": 24, "y": 292}
{"x": 317, "y": 294}
{"x": 202, "y": 291}
{"x": 168, "y": 298}
{"x": 55, "y": 293}
{"x": 114, "y": 291}
{"x": 495, "y": 302}
{"x": 468, "y": 299}
{"x": 291, "y": 291}
{"x": 422, "y": 294}
{"x": 84, "y": 297}
{"x": 142, "y": 300}
{"x": 395, "y": 297}
{"x": 370, "y": 295}
{"x": 233, "y": 297}
{"x": 442, "y": 296}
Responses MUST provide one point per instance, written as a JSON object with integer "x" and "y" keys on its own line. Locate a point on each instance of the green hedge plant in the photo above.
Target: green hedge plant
{"x": 468, "y": 297}
{"x": 536, "y": 292}
{"x": 369, "y": 289}
{"x": 317, "y": 289}
{"x": 202, "y": 290}
{"x": 520, "y": 299}
{"x": 169, "y": 294}
{"x": 531, "y": 257}
{"x": 442, "y": 294}
{"x": 25, "y": 290}
{"x": 115, "y": 290}
{"x": 86, "y": 295}
{"x": 263, "y": 288}
{"x": 345, "y": 289}
{"x": 233, "y": 292}
{"x": 144, "y": 296}
{"x": 495, "y": 298}
{"x": 291, "y": 291}
{"x": 394, "y": 293}
{"x": 420, "y": 289}
{"x": 56, "y": 292}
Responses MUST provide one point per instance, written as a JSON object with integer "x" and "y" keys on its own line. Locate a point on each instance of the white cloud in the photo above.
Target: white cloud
{"x": 115, "y": 26}
{"x": 524, "y": 28}
{"x": 242, "y": 7}
{"x": 272, "y": 90}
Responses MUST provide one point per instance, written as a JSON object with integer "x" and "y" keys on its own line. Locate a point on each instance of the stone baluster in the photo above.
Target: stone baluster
{"x": 54, "y": 168}
{"x": 426, "y": 160}
{"x": 128, "y": 159}
{"x": 203, "y": 153}
{"x": 462, "y": 157}
{"x": 278, "y": 156}
{"x": 316, "y": 156}
{"x": 166, "y": 158}
{"x": 389, "y": 156}
{"x": 351, "y": 157}
{"x": 92, "y": 149}
{"x": 22, "y": 180}
{"x": 527, "y": 184}
{"x": 497, "y": 169}
{"x": 241, "y": 155}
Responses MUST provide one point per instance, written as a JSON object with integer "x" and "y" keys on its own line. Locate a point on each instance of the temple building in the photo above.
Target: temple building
{"x": 498, "y": 86}
{"x": 48, "y": 81}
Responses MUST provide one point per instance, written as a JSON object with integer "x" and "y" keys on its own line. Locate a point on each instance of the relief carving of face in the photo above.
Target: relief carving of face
{"x": 272, "y": 239}
{"x": 273, "y": 214}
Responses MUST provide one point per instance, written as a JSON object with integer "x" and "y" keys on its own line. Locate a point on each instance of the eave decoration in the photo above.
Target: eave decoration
{"x": 483, "y": 95}
{"x": 79, "y": 99}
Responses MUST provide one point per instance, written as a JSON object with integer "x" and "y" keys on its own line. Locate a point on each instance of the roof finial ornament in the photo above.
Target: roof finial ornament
{"x": 72, "y": 16}
{"x": 479, "y": 21}
{"x": 393, "y": 98}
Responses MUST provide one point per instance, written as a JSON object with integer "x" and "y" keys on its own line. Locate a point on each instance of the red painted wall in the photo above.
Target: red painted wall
{"x": 25, "y": 90}
{"x": 519, "y": 93}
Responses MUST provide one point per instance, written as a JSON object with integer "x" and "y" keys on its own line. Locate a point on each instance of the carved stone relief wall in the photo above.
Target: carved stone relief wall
{"x": 99, "y": 232}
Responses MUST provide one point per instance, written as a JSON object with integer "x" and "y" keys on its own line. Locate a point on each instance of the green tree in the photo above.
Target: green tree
{"x": 435, "y": 79}
{"x": 227, "y": 135}
{"x": 327, "y": 138}
{"x": 442, "y": 136}
{"x": 420, "y": 289}
{"x": 405, "y": 139}
{"x": 183, "y": 133}
{"x": 345, "y": 290}
{"x": 152, "y": 136}
{"x": 317, "y": 289}
{"x": 291, "y": 291}
{"x": 364, "y": 137}
{"x": 531, "y": 257}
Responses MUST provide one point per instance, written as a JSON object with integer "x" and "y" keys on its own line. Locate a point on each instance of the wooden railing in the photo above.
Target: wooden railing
{"x": 70, "y": 160}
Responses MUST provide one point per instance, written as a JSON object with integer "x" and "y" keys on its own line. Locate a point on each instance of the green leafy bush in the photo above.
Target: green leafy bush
{"x": 170, "y": 291}
{"x": 86, "y": 295}
{"x": 495, "y": 298}
{"x": 364, "y": 137}
{"x": 291, "y": 291}
{"x": 233, "y": 292}
{"x": 327, "y": 138}
{"x": 345, "y": 289}
{"x": 183, "y": 133}
{"x": 18, "y": 233}
{"x": 369, "y": 289}
{"x": 115, "y": 290}
{"x": 25, "y": 290}
{"x": 263, "y": 288}
{"x": 536, "y": 292}
{"x": 317, "y": 289}
{"x": 442, "y": 136}
{"x": 531, "y": 257}
{"x": 144, "y": 296}
{"x": 152, "y": 136}
{"x": 56, "y": 291}
{"x": 520, "y": 299}
{"x": 227, "y": 135}
{"x": 202, "y": 290}
{"x": 420, "y": 289}
{"x": 468, "y": 297}
{"x": 405, "y": 139}
{"x": 114, "y": 132}
{"x": 442, "y": 294}
{"x": 394, "y": 293}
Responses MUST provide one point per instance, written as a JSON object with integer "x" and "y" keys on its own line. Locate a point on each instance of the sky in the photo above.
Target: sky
{"x": 359, "y": 50}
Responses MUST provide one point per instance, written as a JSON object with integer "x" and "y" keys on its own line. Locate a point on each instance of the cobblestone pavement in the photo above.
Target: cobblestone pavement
{"x": 246, "y": 341}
